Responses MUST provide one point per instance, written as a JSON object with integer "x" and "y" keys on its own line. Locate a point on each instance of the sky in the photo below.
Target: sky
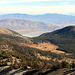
{"x": 36, "y": 7}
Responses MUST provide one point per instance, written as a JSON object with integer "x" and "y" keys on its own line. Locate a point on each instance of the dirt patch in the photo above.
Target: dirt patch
{"x": 45, "y": 47}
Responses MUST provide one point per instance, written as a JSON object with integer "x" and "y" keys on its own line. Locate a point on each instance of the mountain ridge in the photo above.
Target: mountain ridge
{"x": 65, "y": 30}
{"x": 12, "y": 35}
{"x": 28, "y": 26}
{"x": 49, "y": 18}
{"x": 8, "y": 32}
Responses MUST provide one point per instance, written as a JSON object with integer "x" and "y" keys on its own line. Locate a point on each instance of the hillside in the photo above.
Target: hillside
{"x": 68, "y": 31}
{"x": 8, "y": 32}
{"x": 64, "y": 38}
{"x": 16, "y": 58}
{"x": 12, "y": 35}
{"x": 19, "y": 57}
{"x": 26, "y": 26}
{"x": 49, "y": 18}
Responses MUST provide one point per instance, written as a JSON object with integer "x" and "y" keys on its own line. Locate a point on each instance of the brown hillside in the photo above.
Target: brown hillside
{"x": 27, "y": 26}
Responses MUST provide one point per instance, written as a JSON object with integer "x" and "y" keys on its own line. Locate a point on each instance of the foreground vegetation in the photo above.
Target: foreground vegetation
{"x": 17, "y": 56}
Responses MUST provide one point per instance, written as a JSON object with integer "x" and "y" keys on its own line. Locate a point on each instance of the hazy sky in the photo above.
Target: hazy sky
{"x": 37, "y": 6}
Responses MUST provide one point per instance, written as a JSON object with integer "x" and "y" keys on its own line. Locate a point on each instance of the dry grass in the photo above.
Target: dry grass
{"x": 45, "y": 47}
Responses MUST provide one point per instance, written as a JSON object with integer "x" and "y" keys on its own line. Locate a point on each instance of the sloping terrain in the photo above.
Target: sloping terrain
{"x": 12, "y": 35}
{"x": 27, "y": 26}
{"x": 23, "y": 58}
{"x": 64, "y": 38}
{"x": 8, "y": 32}
{"x": 17, "y": 56}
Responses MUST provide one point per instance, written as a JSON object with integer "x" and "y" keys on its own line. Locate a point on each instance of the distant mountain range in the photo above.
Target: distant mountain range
{"x": 26, "y": 26}
{"x": 35, "y": 25}
{"x": 49, "y": 18}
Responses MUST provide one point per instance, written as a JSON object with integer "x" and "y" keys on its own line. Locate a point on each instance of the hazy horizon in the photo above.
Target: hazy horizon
{"x": 38, "y": 14}
{"x": 37, "y": 7}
